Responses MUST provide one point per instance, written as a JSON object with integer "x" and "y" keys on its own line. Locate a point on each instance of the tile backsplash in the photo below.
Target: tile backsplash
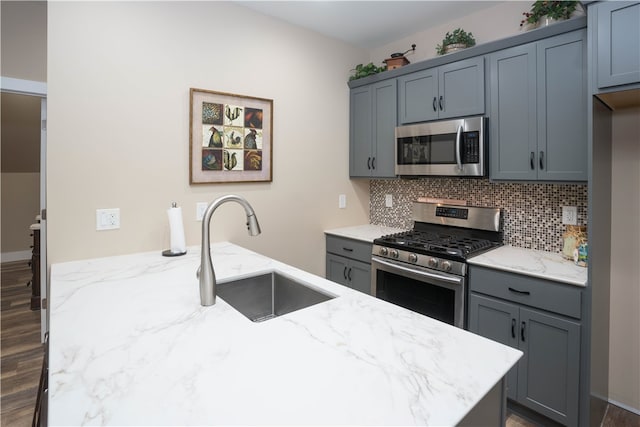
{"x": 532, "y": 212}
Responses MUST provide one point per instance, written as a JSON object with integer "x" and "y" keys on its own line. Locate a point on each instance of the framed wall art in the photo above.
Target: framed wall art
{"x": 230, "y": 138}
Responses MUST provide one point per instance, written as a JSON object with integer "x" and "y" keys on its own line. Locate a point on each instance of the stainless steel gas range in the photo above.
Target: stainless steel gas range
{"x": 425, "y": 269}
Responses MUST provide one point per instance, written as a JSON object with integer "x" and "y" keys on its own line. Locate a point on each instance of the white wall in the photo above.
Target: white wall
{"x": 486, "y": 25}
{"x": 24, "y": 39}
{"x": 624, "y": 355}
{"x": 118, "y": 126}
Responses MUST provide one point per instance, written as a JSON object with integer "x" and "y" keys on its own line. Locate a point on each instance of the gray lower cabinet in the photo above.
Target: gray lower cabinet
{"x": 373, "y": 118}
{"x": 538, "y": 103}
{"x": 349, "y": 263}
{"x": 537, "y": 317}
{"x": 617, "y": 35}
{"x": 451, "y": 90}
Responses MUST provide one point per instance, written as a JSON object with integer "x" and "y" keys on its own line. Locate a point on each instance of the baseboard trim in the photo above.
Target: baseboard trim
{"x": 15, "y": 256}
{"x": 625, "y": 407}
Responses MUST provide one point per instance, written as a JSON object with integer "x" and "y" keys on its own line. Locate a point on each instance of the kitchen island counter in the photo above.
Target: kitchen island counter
{"x": 130, "y": 344}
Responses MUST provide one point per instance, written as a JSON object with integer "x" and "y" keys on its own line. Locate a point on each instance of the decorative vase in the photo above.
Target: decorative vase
{"x": 454, "y": 47}
{"x": 546, "y": 21}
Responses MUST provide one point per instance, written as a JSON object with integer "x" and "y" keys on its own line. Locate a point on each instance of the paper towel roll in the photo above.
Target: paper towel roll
{"x": 176, "y": 228}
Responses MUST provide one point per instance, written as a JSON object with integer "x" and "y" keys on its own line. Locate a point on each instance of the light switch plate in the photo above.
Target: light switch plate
{"x": 388, "y": 200}
{"x": 107, "y": 219}
{"x": 342, "y": 201}
{"x": 201, "y": 207}
{"x": 570, "y": 215}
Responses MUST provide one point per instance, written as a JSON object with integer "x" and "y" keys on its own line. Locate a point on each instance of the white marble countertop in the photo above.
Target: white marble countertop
{"x": 366, "y": 233}
{"x": 130, "y": 344}
{"x": 545, "y": 265}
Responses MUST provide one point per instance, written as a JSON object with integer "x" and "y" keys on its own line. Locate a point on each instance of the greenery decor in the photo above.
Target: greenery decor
{"x": 366, "y": 70}
{"x": 458, "y": 36}
{"x": 557, "y": 10}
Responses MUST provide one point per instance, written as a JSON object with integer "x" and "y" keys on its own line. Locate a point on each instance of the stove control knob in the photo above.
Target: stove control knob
{"x": 394, "y": 253}
{"x": 446, "y": 266}
{"x": 413, "y": 258}
{"x": 384, "y": 251}
{"x": 433, "y": 263}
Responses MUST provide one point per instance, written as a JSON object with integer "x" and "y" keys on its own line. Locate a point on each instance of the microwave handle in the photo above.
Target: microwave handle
{"x": 458, "y": 141}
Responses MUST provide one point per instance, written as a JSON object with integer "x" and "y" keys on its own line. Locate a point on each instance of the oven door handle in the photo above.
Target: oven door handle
{"x": 451, "y": 279}
{"x": 458, "y": 143}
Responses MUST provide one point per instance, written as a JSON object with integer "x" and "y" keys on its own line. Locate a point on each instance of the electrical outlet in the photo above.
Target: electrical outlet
{"x": 342, "y": 201}
{"x": 570, "y": 215}
{"x": 388, "y": 200}
{"x": 107, "y": 219}
{"x": 201, "y": 207}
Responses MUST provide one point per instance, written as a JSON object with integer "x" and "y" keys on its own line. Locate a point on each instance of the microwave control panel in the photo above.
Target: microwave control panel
{"x": 471, "y": 147}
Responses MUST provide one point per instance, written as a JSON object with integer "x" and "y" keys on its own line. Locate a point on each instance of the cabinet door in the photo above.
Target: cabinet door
{"x": 512, "y": 119}
{"x": 359, "y": 276}
{"x": 360, "y": 132}
{"x": 337, "y": 268}
{"x": 497, "y": 321}
{"x": 385, "y": 110}
{"x": 548, "y": 373}
{"x": 618, "y": 43}
{"x": 562, "y": 107}
{"x": 461, "y": 88}
{"x": 418, "y": 98}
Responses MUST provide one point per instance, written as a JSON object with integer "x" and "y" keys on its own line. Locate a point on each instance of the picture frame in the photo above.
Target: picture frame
{"x": 230, "y": 138}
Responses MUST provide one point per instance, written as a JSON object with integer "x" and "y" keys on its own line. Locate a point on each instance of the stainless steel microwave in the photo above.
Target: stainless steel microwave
{"x": 443, "y": 148}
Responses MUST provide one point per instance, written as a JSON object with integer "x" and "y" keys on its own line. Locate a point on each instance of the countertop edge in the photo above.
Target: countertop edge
{"x": 532, "y": 263}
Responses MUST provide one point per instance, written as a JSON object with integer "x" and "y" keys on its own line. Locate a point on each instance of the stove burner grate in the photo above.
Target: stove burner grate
{"x": 437, "y": 243}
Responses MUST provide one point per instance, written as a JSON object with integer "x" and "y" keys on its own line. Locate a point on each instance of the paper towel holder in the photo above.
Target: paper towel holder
{"x": 169, "y": 252}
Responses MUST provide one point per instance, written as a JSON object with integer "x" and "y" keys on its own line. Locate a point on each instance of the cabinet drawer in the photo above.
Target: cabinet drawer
{"x": 354, "y": 249}
{"x": 544, "y": 294}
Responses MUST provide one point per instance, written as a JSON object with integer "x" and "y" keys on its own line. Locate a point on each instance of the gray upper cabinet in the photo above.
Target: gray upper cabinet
{"x": 618, "y": 43}
{"x": 373, "y": 111}
{"x": 538, "y": 117}
{"x": 512, "y": 123}
{"x": 451, "y": 90}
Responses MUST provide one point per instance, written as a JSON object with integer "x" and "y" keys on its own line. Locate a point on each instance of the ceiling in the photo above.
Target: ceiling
{"x": 367, "y": 24}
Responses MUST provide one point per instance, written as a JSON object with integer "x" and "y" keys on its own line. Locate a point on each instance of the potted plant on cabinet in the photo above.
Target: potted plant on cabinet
{"x": 366, "y": 70}
{"x": 456, "y": 40}
{"x": 547, "y": 12}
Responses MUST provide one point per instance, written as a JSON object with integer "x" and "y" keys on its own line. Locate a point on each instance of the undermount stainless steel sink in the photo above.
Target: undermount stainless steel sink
{"x": 268, "y": 295}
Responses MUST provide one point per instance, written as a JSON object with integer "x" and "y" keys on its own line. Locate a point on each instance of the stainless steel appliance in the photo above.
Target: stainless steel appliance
{"x": 425, "y": 269}
{"x": 442, "y": 148}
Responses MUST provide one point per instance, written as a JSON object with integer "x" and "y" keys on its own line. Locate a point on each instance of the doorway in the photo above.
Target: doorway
{"x": 23, "y": 170}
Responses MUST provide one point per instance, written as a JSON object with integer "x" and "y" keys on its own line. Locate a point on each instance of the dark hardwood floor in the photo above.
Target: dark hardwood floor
{"x": 20, "y": 349}
{"x": 21, "y": 353}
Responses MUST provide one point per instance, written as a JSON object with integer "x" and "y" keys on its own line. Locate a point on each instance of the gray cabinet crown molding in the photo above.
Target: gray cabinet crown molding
{"x": 478, "y": 50}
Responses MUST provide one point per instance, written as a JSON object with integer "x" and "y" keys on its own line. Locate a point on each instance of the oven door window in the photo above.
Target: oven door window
{"x": 428, "y": 299}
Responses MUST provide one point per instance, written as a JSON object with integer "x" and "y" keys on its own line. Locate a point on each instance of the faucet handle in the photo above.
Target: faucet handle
{"x": 198, "y": 272}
